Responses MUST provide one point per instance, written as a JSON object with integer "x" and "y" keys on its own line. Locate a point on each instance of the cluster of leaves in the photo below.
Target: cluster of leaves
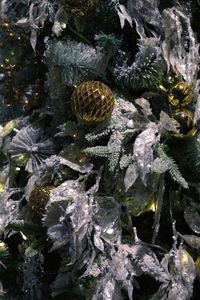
{"x": 91, "y": 227}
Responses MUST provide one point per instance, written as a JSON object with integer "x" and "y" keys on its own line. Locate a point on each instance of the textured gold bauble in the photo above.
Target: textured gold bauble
{"x": 79, "y": 8}
{"x": 39, "y": 198}
{"x": 180, "y": 94}
{"x": 92, "y": 102}
{"x": 183, "y": 120}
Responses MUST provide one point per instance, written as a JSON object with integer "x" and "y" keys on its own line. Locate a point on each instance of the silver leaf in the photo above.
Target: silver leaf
{"x": 192, "y": 217}
{"x": 107, "y": 289}
{"x": 60, "y": 22}
{"x": 33, "y": 38}
{"x": 130, "y": 176}
{"x": 192, "y": 240}
{"x": 166, "y": 122}
{"x": 123, "y": 15}
{"x": 145, "y": 105}
{"x": 197, "y": 111}
{"x": 97, "y": 240}
{"x": 143, "y": 149}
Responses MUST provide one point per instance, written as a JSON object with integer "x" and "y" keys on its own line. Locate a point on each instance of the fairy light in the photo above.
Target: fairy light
{"x": 153, "y": 207}
{"x": 23, "y": 236}
{"x": 22, "y": 159}
{"x": 185, "y": 258}
{"x": 2, "y": 246}
{"x": 162, "y": 88}
{"x": 63, "y": 25}
{"x": 1, "y": 187}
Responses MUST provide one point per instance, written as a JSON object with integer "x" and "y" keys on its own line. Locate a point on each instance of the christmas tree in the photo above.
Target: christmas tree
{"x": 100, "y": 150}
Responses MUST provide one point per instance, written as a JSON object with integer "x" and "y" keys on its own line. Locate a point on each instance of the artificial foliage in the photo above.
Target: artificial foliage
{"x": 99, "y": 150}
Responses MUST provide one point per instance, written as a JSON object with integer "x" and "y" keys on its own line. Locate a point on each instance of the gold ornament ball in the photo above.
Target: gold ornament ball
{"x": 79, "y": 8}
{"x": 197, "y": 266}
{"x": 183, "y": 120}
{"x": 180, "y": 94}
{"x": 39, "y": 198}
{"x": 92, "y": 102}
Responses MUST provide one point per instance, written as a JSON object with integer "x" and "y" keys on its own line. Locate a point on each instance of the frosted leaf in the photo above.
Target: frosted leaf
{"x": 144, "y": 11}
{"x": 192, "y": 217}
{"x": 184, "y": 273}
{"x": 22, "y": 22}
{"x": 86, "y": 168}
{"x": 59, "y": 212}
{"x": 143, "y": 148}
{"x": 178, "y": 292}
{"x": 106, "y": 219}
{"x": 69, "y": 213}
{"x": 180, "y": 49}
{"x": 192, "y": 240}
{"x": 124, "y": 269}
{"x": 4, "y": 174}
{"x": 159, "y": 165}
{"x": 123, "y": 15}
{"x": 97, "y": 240}
{"x": 33, "y": 182}
{"x": 97, "y": 267}
{"x": 9, "y": 209}
{"x": 33, "y": 38}
{"x": 139, "y": 197}
{"x": 147, "y": 261}
{"x": 145, "y": 105}
{"x": 60, "y": 22}
{"x": 166, "y": 123}
{"x": 107, "y": 289}
{"x": 197, "y": 111}
{"x": 59, "y": 234}
{"x": 65, "y": 191}
{"x": 130, "y": 176}
{"x": 32, "y": 142}
{"x": 35, "y": 20}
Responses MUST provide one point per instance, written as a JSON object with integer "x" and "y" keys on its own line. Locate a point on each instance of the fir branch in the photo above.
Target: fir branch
{"x": 120, "y": 128}
{"x": 166, "y": 163}
{"x": 125, "y": 161}
{"x": 76, "y": 61}
{"x": 148, "y": 69}
{"x": 107, "y": 41}
{"x": 101, "y": 151}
